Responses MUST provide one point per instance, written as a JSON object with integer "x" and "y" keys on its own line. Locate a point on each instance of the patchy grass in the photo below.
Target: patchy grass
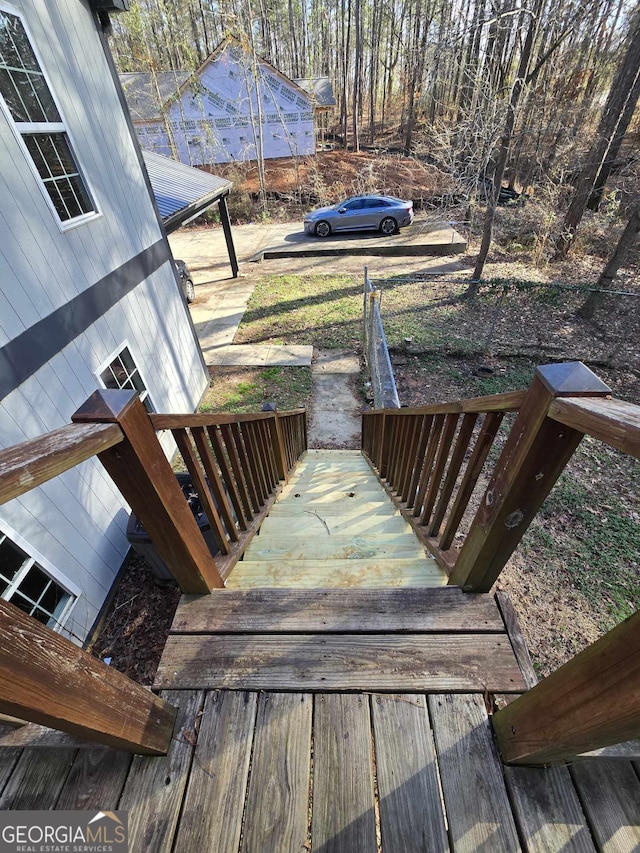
{"x": 245, "y": 389}
{"x": 531, "y": 319}
{"x": 321, "y": 310}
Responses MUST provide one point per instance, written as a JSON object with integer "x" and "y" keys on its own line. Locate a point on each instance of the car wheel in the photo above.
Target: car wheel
{"x": 323, "y": 229}
{"x": 388, "y": 226}
{"x": 189, "y": 290}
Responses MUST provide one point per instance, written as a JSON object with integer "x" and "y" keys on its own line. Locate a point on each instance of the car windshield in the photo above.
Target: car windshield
{"x": 341, "y": 203}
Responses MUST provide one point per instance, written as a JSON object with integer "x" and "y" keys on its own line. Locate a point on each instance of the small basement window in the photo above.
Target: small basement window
{"x": 29, "y": 103}
{"x": 26, "y": 585}
{"x": 121, "y": 372}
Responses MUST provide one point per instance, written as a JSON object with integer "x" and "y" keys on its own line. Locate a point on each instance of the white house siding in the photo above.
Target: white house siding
{"x": 214, "y": 121}
{"x": 75, "y": 524}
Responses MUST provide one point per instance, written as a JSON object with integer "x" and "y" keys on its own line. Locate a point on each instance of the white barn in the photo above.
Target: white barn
{"x": 89, "y": 297}
{"x": 233, "y": 108}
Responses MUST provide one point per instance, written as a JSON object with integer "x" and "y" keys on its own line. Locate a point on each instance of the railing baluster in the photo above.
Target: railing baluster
{"x": 246, "y": 466}
{"x": 410, "y": 457}
{"x": 430, "y": 455}
{"x": 483, "y": 445}
{"x": 241, "y": 472}
{"x": 250, "y": 444}
{"x": 451, "y": 422}
{"x": 426, "y": 422}
{"x": 203, "y": 490}
{"x": 457, "y": 458}
{"x": 217, "y": 486}
{"x": 227, "y": 474}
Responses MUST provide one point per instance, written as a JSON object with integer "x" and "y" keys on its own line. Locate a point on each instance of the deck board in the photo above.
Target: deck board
{"x": 214, "y": 802}
{"x": 278, "y": 795}
{"x": 547, "y": 810}
{"x": 401, "y": 662}
{"x": 475, "y": 796}
{"x": 37, "y": 778}
{"x": 343, "y": 799}
{"x": 610, "y": 794}
{"x": 96, "y": 780}
{"x": 155, "y": 787}
{"x": 445, "y": 609}
{"x": 410, "y": 808}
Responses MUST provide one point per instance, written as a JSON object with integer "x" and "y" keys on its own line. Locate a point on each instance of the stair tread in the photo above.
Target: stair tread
{"x": 336, "y": 573}
{"x": 358, "y": 610}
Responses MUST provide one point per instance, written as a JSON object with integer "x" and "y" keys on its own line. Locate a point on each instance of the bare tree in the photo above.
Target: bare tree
{"x": 625, "y": 244}
{"x": 625, "y": 89}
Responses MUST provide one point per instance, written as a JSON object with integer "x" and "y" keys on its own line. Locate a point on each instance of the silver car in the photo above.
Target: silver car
{"x": 382, "y": 213}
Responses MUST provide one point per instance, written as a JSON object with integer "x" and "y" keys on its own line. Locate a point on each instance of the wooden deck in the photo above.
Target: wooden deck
{"x": 323, "y": 747}
{"x": 334, "y": 699}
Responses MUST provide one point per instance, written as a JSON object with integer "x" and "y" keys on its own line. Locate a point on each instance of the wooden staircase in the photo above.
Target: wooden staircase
{"x": 333, "y": 526}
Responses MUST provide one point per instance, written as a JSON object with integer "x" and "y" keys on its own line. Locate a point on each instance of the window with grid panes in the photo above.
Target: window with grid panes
{"x": 122, "y": 373}
{"x": 26, "y": 585}
{"x": 30, "y": 104}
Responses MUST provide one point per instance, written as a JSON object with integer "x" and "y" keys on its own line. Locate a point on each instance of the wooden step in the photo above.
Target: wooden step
{"x": 336, "y": 573}
{"x": 380, "y": 662}
{"x": 443, "y": 609}
{"x": 313, "y": 525}
{"x": 302, "y": 547}
{"x": 347, "y": 508}
{"x": 321, "y": 493}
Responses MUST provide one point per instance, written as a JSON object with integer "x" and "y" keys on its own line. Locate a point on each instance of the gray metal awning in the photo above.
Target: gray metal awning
{"x": 182, "y": 192}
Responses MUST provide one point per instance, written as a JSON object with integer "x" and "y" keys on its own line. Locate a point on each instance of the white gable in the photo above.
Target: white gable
{"x": 224, "y": 115}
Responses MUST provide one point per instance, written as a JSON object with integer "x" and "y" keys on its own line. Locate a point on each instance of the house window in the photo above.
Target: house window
{"x": 29, "y": 102}
{"x": 121, "y": 372}
{"x": 26, "y": 585}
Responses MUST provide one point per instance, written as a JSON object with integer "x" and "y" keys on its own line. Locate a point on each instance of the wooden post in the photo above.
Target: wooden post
{"x": 46, "y": 679}
{"x": 143, "y": 474}
{"x": 591, "y": 702}
{"x": 533, "y": 458}
{"x": 228, "y": 236}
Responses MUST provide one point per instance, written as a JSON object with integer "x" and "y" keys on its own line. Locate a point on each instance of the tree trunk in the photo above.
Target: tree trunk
{"x": 505, "y": 142}
{"x": 624, "y": 88}
{"x": 625, "y": 243}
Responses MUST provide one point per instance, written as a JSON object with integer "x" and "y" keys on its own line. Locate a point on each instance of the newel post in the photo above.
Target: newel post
{"x": 590, "y": 702}
{"x": 534, "y": 456}
{"x": 141, "y": 471}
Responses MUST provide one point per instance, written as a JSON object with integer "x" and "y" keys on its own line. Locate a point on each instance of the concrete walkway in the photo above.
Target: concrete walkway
{"x": 334, "y": 420}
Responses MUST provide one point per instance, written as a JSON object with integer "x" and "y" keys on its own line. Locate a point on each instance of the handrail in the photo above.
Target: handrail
{"x": 33, "y": 462}
{"x": 176, "y": 421}
{"x": 237, "y": 464}
{"x": 614, "y": 422}
{"x": 508, "y": 402}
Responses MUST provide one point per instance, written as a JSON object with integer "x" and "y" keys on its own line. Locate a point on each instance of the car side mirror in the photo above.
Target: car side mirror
{"x": 342, "y": 210}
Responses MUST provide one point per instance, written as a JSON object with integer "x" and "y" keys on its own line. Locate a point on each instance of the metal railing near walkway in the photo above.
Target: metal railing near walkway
{"x": 376, "y": 351}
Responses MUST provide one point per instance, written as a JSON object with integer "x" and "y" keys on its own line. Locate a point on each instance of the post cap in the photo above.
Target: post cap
{"x": 572, "y": 379}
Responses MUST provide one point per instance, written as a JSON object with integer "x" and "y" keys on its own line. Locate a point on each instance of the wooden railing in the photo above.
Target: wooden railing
{"x": 236, "y": 463}
{"x": 425, "y": 455}
{"x": 431, "y": 460}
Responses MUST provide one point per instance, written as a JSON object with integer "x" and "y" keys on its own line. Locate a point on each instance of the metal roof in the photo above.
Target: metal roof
{"x": 181, "y": 191}
{"x": 319, "y": 88}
